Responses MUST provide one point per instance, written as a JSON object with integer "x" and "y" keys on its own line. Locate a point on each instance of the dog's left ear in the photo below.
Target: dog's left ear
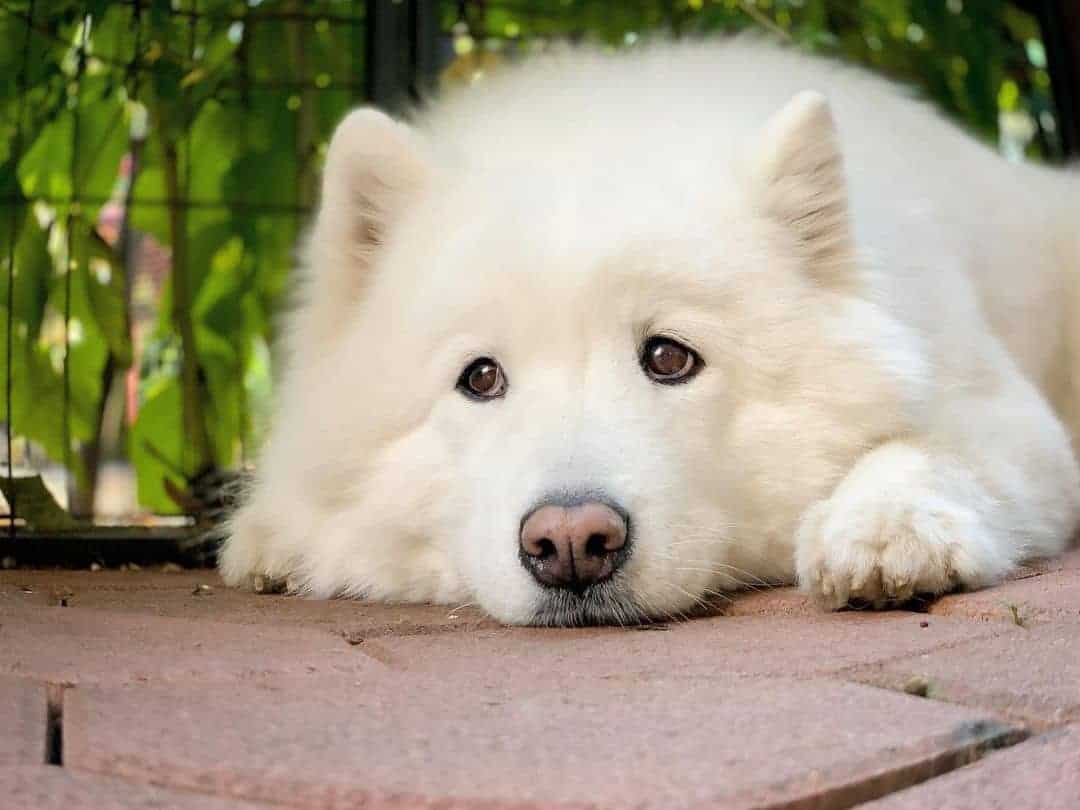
{"x": 799, "y": 175}
{"x": 375, "y": 169}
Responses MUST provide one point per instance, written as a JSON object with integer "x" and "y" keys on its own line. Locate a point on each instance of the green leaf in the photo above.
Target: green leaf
{"x": 150, "y": 217}
{"x": 105, "y": 289}
{"x": 13, "y": 208}
{"x": 35, "y": 504}
{"x": 156, "y": 447}
{"x": 33, "y": 272}
{"x": 47, "y": 170}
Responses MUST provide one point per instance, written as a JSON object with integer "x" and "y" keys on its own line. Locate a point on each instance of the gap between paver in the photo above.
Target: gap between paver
{"x": 54, "y": 723}
{"x": 1042, "y": 773}
{"x": 969, "y": 745}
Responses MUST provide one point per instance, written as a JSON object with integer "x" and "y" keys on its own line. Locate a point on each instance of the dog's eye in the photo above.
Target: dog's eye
{"x": 668, "y": 361}
{"x": 482, "y": 379}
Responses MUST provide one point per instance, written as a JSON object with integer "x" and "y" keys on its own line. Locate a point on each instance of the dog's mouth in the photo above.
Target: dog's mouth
{"x": 611, "y": 602}
{"x": 605, "y": 603}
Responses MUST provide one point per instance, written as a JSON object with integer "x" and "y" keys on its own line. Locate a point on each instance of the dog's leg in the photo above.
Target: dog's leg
{"x": 991, "y": 481}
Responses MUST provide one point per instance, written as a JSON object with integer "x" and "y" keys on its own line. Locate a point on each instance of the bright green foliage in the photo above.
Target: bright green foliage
{"x": 228, "y": 105}
{"x": 960, "y": 52}
{"x": 210, "y": 102}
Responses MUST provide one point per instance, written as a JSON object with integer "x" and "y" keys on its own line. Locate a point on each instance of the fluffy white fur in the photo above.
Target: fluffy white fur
{"x": 886, "y": 309}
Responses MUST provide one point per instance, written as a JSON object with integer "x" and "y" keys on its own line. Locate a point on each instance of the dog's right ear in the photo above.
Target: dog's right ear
{"x": 799, "y": 179}
{"x": 375, "y": 167}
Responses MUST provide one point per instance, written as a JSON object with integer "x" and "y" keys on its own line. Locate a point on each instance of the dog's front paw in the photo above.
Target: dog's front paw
{"x": 250, "y": 558}
{"x": 880, "y": 547}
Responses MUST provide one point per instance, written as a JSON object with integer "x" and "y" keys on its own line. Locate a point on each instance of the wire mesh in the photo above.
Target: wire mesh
{"x": 143, "y": 270}
{"x": 16, "y": 151}
{"x": 98, "y": 58}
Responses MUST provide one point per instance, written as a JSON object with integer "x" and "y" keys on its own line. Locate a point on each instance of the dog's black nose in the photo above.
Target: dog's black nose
{"x": 574, "y": 546}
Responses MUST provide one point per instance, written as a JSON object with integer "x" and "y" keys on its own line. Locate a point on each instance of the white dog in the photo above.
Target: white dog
{"x": 606, "y": 334}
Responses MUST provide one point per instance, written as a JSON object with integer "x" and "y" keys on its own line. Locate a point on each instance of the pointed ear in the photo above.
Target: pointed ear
{"x": 799, "y": 177}
{"x": 375, "y": 167}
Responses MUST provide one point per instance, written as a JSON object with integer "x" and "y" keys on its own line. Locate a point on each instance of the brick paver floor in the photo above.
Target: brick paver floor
{"x": 140, "y": 689}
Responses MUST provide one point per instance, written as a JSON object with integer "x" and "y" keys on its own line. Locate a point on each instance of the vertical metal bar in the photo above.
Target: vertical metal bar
{"x": 189, "y": 119}
{"x": 244, "y": 68}
{"x": 1059, "y": 21}
{"x": 426, "y": 54}
{"x": 128, "y": 241}
{"x": 1069, "y": 75}
{"x": 403, "y": 54}
{"x": 16, "y": 156}
{"x": 358, "y": 39}
{"x": 74, "y": 211}
{"x": 386, "y": 78}
{"x": 191, "y": 416}
{"x": 297, "y": 36}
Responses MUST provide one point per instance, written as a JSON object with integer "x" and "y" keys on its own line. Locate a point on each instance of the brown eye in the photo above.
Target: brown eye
{"x": 668, "y": 361}
{"x": 482, "y": 379}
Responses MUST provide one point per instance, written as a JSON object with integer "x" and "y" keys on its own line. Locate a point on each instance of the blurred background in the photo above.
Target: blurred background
{"x": 158, "y": 160}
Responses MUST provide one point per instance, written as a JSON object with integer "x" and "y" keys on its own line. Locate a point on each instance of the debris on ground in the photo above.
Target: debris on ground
{"x": 917, "y": 685}
{"x": 261, "y": 583}
{"x": 1018, "y": 617}
{"x": 352, "y": 637}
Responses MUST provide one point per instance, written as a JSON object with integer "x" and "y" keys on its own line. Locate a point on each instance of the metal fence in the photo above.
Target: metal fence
{"x": 158, "y": 160}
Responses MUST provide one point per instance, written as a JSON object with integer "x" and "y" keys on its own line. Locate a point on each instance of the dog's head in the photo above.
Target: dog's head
{"x": 596, "y": 398}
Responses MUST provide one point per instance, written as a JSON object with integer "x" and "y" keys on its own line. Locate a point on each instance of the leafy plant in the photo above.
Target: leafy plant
{"x": 203, "y": 96}
{"x": 219, "y": 111}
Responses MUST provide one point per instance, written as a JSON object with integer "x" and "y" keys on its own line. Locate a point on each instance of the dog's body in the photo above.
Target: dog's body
{"x": 882, "y": 313}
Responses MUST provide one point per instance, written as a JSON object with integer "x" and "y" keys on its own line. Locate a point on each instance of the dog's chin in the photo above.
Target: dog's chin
{"x": 607, "y": 603}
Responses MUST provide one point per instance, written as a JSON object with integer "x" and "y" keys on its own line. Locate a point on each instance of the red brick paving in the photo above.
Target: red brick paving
{"x": 169, "y": 595}
{"x": 22, "y": 721}
{"x": 707, "y": 647}
{"x": 221, "y": 696}
{"x": 1032, "y": 675}
{"x": 46, "y": 787}
{"x": 81, "y": 646}
{"x": 1042, "y": 773}
{"x": 1048, "y": 597}
{"x": 663, "y": 744}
